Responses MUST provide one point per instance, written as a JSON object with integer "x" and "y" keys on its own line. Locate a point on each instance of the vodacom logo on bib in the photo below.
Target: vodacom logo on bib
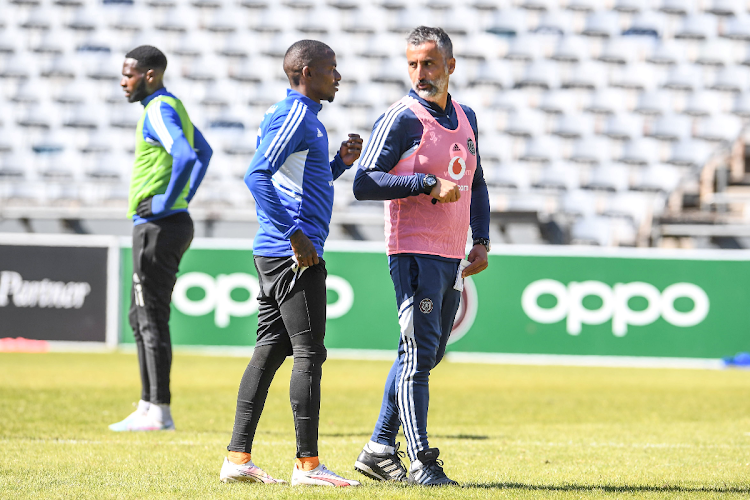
{"x": 457, "y": 167}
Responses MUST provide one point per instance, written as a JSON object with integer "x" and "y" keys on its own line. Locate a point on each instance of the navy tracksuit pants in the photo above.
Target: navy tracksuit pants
{"x": 427, "y": 305}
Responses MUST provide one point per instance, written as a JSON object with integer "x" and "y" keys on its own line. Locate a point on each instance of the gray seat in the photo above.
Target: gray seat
{"x": 666, "y": 53}
{"x": 659, "y": 177}
{"x": 648, "y": 23}
{"x": 510, "y": 176}
{"x": 741, "y": 106}
{"x": 541, "y": 149}
{"x": 670, "y": 127}
{"x": 222, "y": 21}
{"x": 640, "y": 151}
{"x": 507, "y": 23}
{"x": 493, "y": 73}
{"x": 731, "y": 79}
{"x": 715, "y": 52}
{"x": 592, "y": 230}
{"x": 629, "y": 6}
{"x": 554, "y": 22}
{"x": 586, "y": 75}
{"x": 737, "y": 28}
{"x": 540, "y": 74}
{"x": 524, "y": 48}
{"x": 697, "y": 27}
{"x": 719, "y": 128}
{"x": 623, "y": 127}
{"x": 637, "y": 76}
{"x": 689, "y": 153}
{"x": 524, "y": 123}
{"x": 582, "y": 5}
{"x": 702, "y": 103}
{"x": 83, "y": 20}
{"x": 82, "y": 117}
{"x": 39, "y": 19}
{"x": 652, "y": 103}
{"x": 556, "y": 102}
{"x": 14, "y": 67}
{"x": 579, "y": 203}
{"x": 620, "y": 50}
{"x": 559, "y": 176}
{"x": 601, "y": 24}
{"x": 724, "y": 8}
{"x": 590, "y": 150}
{"x": 571, "y": 49}
{"x": 683, "y": 77}
{"x": 609, "y": 177}
{"x": 573, "y": 126}
{"x": 606, "y": 101}
{"x": 677, "y": 7}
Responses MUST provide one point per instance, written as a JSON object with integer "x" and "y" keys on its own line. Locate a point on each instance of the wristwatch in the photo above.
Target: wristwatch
{"x": 482, "y": 241}
{"x": 429, "y": 182}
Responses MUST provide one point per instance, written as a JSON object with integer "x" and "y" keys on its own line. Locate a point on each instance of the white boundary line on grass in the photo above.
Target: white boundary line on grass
{"x": 479, "y": 357}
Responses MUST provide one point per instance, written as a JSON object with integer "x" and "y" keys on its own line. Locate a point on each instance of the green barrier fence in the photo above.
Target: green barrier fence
{"x": 540, "y": 300}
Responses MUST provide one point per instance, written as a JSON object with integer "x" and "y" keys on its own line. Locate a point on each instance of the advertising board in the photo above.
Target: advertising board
{"x": 540, "y": 300}
{"x": 54, "y": 289}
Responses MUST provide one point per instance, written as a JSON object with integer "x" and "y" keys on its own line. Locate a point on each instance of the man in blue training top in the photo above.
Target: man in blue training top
{"x": 171, "y": 157}
{"x": 291, "y": 179}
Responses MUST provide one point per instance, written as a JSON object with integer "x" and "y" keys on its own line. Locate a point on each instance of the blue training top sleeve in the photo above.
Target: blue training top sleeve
{"x": 480, "y": 198}
{"x": 163, "y": 124}
{"x": 338, "y": 166}
{"x": 204, "y": 153}
{"x": 391, "y": 138}
{"x": 283, "y": 137}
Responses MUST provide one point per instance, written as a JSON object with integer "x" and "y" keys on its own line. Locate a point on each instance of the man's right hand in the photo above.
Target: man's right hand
{"x": 445, "y": 191}
{"x": 303, "y": 249}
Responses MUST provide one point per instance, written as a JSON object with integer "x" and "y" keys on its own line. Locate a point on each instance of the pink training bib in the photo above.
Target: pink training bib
{"x": 414, "y": 224}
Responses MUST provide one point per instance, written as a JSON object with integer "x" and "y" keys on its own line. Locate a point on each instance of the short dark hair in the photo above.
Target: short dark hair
{"x": 301, "y": 54}
{"x": 148, "y": 57}
{"x": 422, "y": 34}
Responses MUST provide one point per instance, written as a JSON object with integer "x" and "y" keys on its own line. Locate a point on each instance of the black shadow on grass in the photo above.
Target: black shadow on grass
{"x": 470, "y": 437}
{"x": 608, "y": 489}
{"x": 344, "y": 434}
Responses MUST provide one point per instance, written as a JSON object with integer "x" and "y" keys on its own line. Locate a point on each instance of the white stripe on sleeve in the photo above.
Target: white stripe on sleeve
{"x": 289, "y": 135}
{"x": 287, "y": 130}
{"x": 157, "y": 122}
{"x": 379, "y": 135}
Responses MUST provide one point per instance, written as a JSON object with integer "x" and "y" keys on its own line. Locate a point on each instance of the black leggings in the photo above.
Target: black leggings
{"x": 291, "y": 320}
{"x": 158, "y": 247}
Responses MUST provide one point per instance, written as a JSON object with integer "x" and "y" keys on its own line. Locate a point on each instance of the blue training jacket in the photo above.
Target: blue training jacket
{"x": 188, "y": 164}
{"x": 291, "y": 177}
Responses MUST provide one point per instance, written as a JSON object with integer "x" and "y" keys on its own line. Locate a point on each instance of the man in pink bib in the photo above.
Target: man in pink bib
{"x": 422, "y": 159}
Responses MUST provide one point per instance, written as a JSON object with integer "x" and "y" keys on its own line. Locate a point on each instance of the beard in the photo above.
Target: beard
{"x": 139, "y": 93}
{"x": 436, "y": 87}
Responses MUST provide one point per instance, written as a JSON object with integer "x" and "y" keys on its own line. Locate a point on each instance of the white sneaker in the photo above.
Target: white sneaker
{"x": 231, "y": 473}
{"x": 140, "y": 422}
{"x": 319, "y": 476}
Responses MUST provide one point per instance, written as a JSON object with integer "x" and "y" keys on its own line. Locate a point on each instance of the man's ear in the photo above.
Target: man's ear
{"x": 150, "y": 75}
{"x": 306, "y": 72}
{"x": 451, "y": 65}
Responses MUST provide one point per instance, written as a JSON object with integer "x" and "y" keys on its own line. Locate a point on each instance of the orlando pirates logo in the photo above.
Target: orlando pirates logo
{"x": 472, "y": 148}
{"x": 425, "y": 306}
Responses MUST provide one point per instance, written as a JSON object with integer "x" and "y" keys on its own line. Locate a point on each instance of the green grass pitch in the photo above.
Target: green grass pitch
{"x": 503, "y": 431}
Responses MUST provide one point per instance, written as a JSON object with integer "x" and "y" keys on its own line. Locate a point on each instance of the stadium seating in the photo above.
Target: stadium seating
{"x": 585, "y": 108}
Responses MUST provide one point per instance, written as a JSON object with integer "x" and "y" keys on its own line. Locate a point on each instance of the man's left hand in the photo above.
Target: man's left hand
{"x": 478, "y": 259}
{"x": 351, "y": 149}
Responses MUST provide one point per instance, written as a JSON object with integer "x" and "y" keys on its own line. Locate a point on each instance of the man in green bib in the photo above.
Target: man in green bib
{"x": 171, "y": 157}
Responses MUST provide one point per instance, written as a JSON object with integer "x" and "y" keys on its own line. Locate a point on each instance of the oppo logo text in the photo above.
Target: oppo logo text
{"x": 614, "y": 304}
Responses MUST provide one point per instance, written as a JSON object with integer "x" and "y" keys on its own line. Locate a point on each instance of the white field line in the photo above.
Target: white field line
{"x": 542, "y": 444}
